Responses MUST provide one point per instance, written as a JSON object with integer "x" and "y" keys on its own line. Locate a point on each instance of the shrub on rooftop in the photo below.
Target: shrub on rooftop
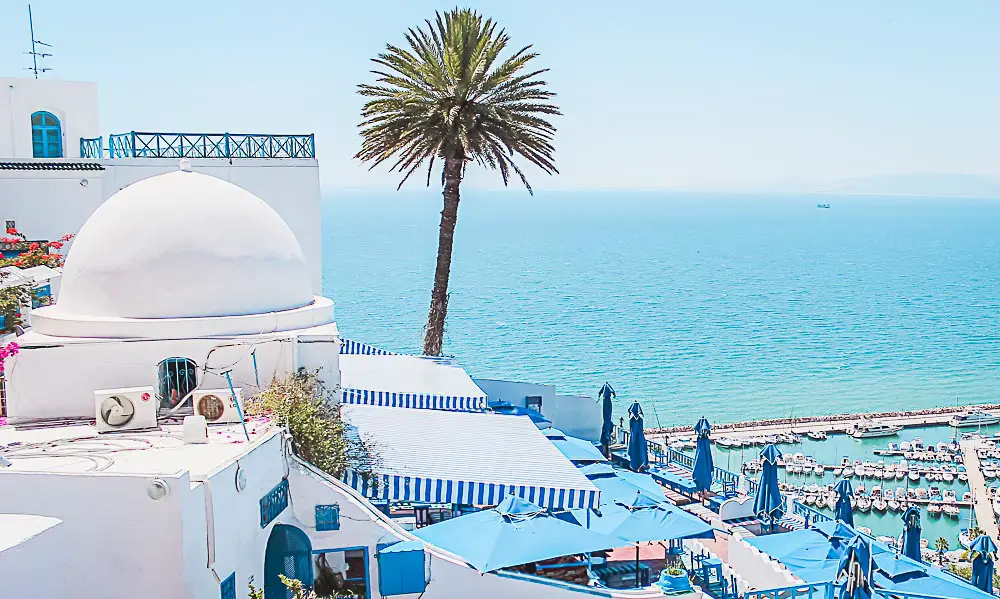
{"x": 31, "y": 253}
{"x": 319, "y": 436}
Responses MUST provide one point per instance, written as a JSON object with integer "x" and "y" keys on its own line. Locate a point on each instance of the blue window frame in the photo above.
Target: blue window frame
{"x": 46, "y": 135}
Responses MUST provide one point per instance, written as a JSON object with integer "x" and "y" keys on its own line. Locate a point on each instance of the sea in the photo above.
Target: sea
{"x": 729, "y": 306}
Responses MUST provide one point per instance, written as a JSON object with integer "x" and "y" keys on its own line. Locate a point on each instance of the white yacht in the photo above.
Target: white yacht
{"x": 974, "y": 418}
{"x": 867, "y": 430}
{"x": 817, "y": 435}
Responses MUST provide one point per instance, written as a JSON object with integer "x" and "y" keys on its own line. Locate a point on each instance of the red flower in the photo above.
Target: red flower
{"x": 11, "y": 231}
{"x": 33, "y": 246}
{"x": 67, "y": 237}
{"x": 56, "y": 245}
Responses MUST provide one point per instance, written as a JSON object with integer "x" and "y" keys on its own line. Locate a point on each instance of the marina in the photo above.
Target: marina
{"x": 923, "y": 464}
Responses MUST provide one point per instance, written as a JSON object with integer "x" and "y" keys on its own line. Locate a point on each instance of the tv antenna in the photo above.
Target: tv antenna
{"x": 36, "y": 52}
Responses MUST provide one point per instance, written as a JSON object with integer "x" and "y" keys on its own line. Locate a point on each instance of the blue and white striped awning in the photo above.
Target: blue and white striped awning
{"x": 464, "y": 458}
{"x": 350, "y": 347}
{"x": 400, "y": 381}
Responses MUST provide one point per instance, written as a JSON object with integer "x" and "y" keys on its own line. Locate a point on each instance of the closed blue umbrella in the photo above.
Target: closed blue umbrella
{"x": 513, "y": 533}
{"x": 638, "y": 453}
{"x": 606, "y": 394}
{"x": 911, "y": 533}
{"x": 854, "y": 574}
{"x": 842, "y": 510}
{"x": 703, "y": 465}
{"x": 982, "y": 563}
{"x": 768, "y": 503}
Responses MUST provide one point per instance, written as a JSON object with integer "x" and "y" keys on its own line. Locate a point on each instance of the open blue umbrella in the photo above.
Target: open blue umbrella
{"x": 982, "y": 563}
{"x": 621, "y": 485}
{"x": 513, "y": 533}
{"x": 643, "y": 519}
{"x": 606, "y": 394}
{"x": 854, "y": 574}
{"x": 576, "y": 450}
{"x": 911, "y": 533}
{"x": 703, "y": 465}
{"x": 768, "y": 503}
{"x": 842, "y": 510}
{"x": 638, "y": 453}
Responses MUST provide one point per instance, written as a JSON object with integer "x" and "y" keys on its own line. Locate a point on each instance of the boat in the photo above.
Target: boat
{"x": 893, "y": 505}
{"x": 822, "y": 205}
{"x": 947, "y": 477}
{"x": 818, "y": 470}
{"x": 810, "y": 499}
{"x": 837, "y": 471}
{"x": 974, "y": 418}
{"x": 864, "y": 504}
{"x": 963, "y": 539}
{"x": 914, "y": 476}
{"x": 868, "y": 430}
{"x": 917, "y": 444}
{"x": 934, "y": 509}
{"x": 952, "y": 511}
{"x": 816, "y": 435}
{"x": 933, "y": 492}
{"x": 963, "y": 477}
{"x": 880, "y": 505}
{"x": 848, "y": 472}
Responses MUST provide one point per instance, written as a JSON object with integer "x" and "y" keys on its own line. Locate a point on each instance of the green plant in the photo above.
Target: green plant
{"x": 448, "y": 96}
{"x": 674, "y": 571}
{"x": 319, "y": 436}
{"x": 13, "y": 300}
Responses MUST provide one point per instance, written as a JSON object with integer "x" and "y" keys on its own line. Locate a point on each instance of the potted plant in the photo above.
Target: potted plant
{"x": 674, "y": 580}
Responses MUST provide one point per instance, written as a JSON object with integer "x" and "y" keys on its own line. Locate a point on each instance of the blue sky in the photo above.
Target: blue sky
{"x": 696, "y": 95}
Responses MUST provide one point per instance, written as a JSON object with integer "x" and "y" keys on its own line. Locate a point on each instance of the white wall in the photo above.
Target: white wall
{"x": 238, "y": 540}
{"x": 575, "y": 415}
{"x": 118, "y": 542}
{"x": 34, "y": 561}
{"x": 74, "y": 103}
{"x": 59, "y": 381}
{"x": 49, "y": 204}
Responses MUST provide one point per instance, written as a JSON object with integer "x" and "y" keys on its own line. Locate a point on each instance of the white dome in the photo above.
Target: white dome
{"x": 183, "y": 245}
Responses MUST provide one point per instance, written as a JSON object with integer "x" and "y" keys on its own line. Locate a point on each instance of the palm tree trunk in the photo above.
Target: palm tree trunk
{"x": 434, "y": 332}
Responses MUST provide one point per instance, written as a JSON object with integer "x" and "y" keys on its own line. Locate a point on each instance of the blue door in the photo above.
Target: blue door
{"x": 46, "y": 135}
{"x": 288, "y": 552}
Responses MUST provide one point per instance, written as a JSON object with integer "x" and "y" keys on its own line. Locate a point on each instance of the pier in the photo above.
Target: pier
{"x": 986, "y": 518}
{"x": 834, "y": 423}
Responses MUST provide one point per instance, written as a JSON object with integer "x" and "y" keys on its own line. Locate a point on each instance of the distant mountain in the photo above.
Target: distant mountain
{"x": 920, "y": 184}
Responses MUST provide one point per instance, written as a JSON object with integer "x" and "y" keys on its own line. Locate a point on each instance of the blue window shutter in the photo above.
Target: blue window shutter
{"x": 401, "y": 569}
{"x": 227, "y": 588}
{"x": 328, "y": 517}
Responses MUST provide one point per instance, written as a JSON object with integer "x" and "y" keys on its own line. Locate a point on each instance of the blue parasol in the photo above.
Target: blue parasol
{"x": 606, "y": 393}
{"x": 854, "y": 574}
{"x": 911, "y": 533}
{"x": 982, "y": 563}
{"x": 638, "y": 453}
{"x": 842, "y": 510}
{"x": 768, "y": 503}
{"x": 703, "y": 465}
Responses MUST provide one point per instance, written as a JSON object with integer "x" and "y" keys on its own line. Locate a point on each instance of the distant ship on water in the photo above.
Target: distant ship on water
{"x": 822, "y": 205}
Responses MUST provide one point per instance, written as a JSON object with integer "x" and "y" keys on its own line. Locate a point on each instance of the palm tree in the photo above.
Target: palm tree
{"x": 941, "y": 544}
{"x": 453, "y": 95}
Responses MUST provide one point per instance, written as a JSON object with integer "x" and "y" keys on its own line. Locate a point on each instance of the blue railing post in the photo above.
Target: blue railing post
{"x": 312, "y": 146}
{"x": 133, "y": 144}
{"x": 228, "y": 155}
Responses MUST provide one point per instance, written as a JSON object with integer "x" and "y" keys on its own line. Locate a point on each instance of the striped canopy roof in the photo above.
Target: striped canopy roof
{"x": 466, "y": 458}
{"x": 401, "y": 381}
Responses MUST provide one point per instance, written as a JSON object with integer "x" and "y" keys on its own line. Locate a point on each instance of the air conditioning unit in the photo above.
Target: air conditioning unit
{"x": 217, "y": 405}
{"x": 129, "y": 409}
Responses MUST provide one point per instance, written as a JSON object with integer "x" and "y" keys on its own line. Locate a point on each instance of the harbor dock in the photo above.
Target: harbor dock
{"x": 986, "y": 517}
{"x": 834, "y": 423}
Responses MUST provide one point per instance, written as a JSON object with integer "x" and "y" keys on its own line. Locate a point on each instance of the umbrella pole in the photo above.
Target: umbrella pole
{"x": 637, "y": 585}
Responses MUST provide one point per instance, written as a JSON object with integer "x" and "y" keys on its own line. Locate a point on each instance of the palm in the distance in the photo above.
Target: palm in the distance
{"x": 451, "y": 97}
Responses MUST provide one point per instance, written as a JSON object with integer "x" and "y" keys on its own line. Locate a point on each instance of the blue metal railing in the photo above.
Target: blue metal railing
{"x": 826, "y": 590}
{"x": 135, "y": 144}
{"x": 91, "y": 147}
{"x": 822, "y": 590}
{"x": 811, "y": 515}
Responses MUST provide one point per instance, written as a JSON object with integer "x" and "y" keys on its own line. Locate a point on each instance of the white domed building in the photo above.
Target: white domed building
{"x": 181, "y": 271}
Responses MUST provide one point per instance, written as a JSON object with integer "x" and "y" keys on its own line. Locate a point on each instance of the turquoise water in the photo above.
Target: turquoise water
{"x": 733, "y": 307}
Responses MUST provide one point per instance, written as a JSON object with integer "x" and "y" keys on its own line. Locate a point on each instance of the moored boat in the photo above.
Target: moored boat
{"x": 868, "y": 430}
{"x": 974, "y": 418}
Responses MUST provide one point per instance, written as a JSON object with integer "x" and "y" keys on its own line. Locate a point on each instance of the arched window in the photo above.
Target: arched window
{"x": 46, "y": 135}
{"x": 176, "y": 377}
